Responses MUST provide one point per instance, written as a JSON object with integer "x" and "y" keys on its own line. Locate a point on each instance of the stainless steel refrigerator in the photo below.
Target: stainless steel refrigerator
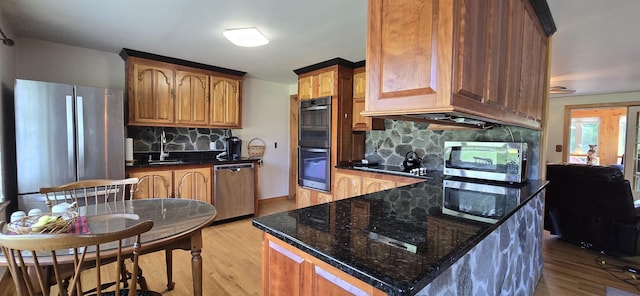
{"x": 65, "y": 133}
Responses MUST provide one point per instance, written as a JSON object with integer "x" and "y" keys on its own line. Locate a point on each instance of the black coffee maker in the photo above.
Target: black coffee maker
{"x": 234, "y": 147}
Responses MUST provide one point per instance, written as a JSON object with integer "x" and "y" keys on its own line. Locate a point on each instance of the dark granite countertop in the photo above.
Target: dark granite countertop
{"x": 390, "y": 239}
{"x": 185, "y": 158}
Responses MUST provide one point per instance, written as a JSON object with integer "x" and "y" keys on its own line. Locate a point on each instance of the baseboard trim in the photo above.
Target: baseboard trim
{"x": 273, "y": 199}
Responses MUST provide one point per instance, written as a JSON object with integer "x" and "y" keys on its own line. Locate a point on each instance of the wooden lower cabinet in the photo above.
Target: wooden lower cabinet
{"x": 349, "y": 183}
{"x": 191, "y": 183}
{"x": 371, "y": 185}
{"x": 308, "y": 197}
{"x": 346, "y": 185}
{"x": 153, "y": 184}
{"x": 287, "y": 270}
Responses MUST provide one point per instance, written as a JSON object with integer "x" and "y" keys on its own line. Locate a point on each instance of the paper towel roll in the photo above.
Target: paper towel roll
{"x": 128, "y": 149}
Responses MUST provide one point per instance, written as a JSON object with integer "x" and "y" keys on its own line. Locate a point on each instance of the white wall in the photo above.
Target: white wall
{"x": 265, "y": 115}
{"x": 555, "y": 118}
{"x": 54, "y": 62}
{"x": 265, "y": 107}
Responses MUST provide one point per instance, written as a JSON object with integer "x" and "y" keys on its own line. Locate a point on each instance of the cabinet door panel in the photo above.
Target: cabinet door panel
{"x": 346, "y": 186}
{"x": 325, "y": 84}
{"x": 514, "y": 56}
{"x": 152, "y": 94}
{"x": 284, "y": 273}
{"x": 303, "y": 198}
{"x": 498, "y": 43}
{"x": 323, "y": 198}
{"x": 471, "y": 62}
{"x": 304, "y": 88}
{"x": 156, "y": 184}
{"x": 193, "y": 184}
{"x": 529, "y": 63}
{"x": 225, "y": 102}
{"x": 359, "y": 85}
{"x": 359, "y": 122}
{"x": 400, "y": 54}
{"x": 192, "y": 101}
{"x": 327, "y": 283}
{"x": 371, "y": 185}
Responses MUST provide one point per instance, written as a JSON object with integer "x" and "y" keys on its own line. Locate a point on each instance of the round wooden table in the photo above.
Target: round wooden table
{"x": 177, "y": 224}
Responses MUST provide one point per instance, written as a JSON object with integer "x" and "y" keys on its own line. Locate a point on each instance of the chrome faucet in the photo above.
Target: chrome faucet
{"x": 163, "y": 141}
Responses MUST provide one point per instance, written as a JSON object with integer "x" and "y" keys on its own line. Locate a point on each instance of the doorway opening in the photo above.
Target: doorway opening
{"x": 605, "y": 135}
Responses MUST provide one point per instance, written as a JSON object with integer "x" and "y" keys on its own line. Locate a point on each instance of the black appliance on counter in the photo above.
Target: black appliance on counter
{"x": 314, "y": 140}
{"x": 234, "y": 148}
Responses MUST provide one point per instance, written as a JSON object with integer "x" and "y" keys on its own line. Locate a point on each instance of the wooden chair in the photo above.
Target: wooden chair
{"x": 34, "y": 253}
{"x": 96, "y": 191}
{"x": 156, "y": 186}
{"x": 90, "y": 192}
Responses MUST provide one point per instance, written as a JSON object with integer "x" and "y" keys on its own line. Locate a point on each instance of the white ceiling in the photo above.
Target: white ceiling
{"x": 595, "y": 50}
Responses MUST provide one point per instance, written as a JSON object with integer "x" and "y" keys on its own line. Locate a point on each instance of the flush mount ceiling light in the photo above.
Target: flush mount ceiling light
{"x": 560, "y": 90}
{"x": 246, "y": 37}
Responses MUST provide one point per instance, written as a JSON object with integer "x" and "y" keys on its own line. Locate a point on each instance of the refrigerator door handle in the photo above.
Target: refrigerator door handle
{"x": 80, "y": 115}
{"x": 70, "y": 131}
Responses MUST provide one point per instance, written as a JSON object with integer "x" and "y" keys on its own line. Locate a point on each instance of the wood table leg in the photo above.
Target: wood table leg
{"x": 196, "y": 262}
{"x": 168, "y": 258}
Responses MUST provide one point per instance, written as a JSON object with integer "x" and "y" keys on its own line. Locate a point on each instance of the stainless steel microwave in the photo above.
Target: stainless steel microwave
{"x": 479, "y": 202}
{"x": 498, "y": 161}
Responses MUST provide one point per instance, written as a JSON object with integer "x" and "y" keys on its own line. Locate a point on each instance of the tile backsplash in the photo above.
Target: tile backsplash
{"x": 390, "y": 146}
{"x": 147, "y": 139}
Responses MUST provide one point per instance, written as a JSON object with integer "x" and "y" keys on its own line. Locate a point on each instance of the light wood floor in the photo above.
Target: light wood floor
{"x": 232, "y": 262}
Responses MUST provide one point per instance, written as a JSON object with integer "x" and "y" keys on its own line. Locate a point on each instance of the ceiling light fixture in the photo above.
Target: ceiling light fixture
{"x": 560, "y": 90}
{"x": 246, "y": 37}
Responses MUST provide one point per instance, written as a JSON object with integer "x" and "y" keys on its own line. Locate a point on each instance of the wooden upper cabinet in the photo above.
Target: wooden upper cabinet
{"x": 325, "y": 84}
{"x": 225, "y": 102}
{"x": 304, "y": 88}
{"x": 478, "y": 59}
{"x": 359, "y": 83}
{"x": 471, "y": 62}
{"x": 400, "y": 56}
{"x": 192, "y": 98}
{"x": 359, "y": 122}
{"x": 163, "y": 91}
{"x": 151, "y": 95}
{"x": 316, "y": 85}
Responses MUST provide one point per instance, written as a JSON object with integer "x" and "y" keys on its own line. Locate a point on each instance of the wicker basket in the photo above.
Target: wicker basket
{"x": 256, "y": 150}
{"x": 63, "y": 224}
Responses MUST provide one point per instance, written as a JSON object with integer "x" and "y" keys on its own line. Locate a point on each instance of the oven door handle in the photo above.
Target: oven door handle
{"x": 314, "y": 108}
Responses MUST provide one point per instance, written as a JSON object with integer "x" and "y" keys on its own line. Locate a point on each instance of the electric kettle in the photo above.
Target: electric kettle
{"x": 411, "y": 161}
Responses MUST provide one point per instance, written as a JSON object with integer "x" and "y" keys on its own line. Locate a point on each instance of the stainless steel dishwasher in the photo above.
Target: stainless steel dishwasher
{"x": 233, "y": 190}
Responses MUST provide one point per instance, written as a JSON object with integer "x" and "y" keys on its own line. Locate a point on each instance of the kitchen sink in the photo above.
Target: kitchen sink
{"x": 166, "y": 161}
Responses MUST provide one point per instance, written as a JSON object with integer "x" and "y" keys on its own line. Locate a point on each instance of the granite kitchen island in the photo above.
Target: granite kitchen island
{"x": 400, "y": 242}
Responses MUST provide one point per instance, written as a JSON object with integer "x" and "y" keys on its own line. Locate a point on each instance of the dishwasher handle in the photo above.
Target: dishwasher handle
{"x": 233, "y": 167}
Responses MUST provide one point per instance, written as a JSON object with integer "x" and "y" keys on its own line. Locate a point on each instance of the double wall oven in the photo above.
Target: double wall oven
{"x": 314, "y": 144}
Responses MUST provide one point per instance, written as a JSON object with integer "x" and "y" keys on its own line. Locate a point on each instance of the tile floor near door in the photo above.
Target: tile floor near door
{"x": 232, "y": 257}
